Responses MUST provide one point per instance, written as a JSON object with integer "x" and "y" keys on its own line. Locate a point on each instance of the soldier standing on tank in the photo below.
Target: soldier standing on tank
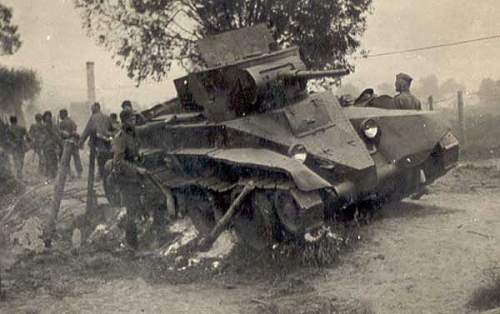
{"x": 405, "y": 100}
{"x": 51, "y": 145}
{"x": 100, "y": 131}
{"x": 68, "y": 129}
{"x": 37, "y": 134}
{"x": 18, "y": 139}
{"x": 128, "y": 173}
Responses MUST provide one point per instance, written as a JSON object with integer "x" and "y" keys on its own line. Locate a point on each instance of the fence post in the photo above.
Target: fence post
{"x": 431, "y": 103}
{"x": 91, "y": 197}
{"x": 62, "y": 173}
{"x": 461, "y": 119}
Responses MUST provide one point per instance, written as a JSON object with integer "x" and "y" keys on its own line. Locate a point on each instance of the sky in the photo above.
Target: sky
{"x": 405, "y": 24}
{"x": 56, "y": 46}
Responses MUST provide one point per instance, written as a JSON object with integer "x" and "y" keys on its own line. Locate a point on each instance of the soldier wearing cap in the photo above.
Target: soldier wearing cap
{"x": 68, "y": 129}
{"x": 18, "y": 138}
{"x": 37, "y": 133}
{"x": 127, "y": 106}
{"x": 52, "y": 144}
{"x": 100, "y": 131}
{"x": 128, "y": 173}
{"x": 115, "y": 123}
{"x": 5, "y": 170}
{"x": 405, "y": 100}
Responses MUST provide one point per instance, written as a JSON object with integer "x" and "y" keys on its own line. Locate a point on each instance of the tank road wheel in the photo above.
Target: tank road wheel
{"x": 203, "y": 211}
{"x": 287, "y": 210}
{"x": 254, "y": 221}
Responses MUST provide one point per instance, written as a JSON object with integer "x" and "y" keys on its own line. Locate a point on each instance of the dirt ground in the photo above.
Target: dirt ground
{"x": 435, "y": 255}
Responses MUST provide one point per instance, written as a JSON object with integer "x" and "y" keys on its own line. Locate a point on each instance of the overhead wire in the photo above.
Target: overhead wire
{"x": 436, "y": 46}
{"x": 390, "y": 53}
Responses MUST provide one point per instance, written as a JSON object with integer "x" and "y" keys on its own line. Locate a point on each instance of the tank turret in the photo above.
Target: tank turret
{"x": 255, "y": 84}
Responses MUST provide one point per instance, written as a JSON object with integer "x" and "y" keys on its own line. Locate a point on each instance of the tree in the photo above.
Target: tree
{"x": 16, "y": 87}
{"x": 450, "y": 86}
{"x": 9, "y": 37}
{"x": 488, "y": 92}
{"x": 428, "y": 86}
{"x": 147, "y": 36}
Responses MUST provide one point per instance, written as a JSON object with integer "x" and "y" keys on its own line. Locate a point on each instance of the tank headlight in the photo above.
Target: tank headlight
{"x": 370, "y": 129}
{"x": 300, "y": 156}
{"x": 298, "y": 152}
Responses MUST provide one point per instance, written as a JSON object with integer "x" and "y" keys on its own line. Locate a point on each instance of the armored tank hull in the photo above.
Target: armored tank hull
{"x": 245, "y": 144}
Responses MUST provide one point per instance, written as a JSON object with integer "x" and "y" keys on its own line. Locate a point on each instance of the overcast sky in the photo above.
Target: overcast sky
{"x": 57, "y": 48}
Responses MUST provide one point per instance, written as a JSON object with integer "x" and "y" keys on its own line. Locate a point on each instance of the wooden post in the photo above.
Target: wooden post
{"x": 205, "y": 243}
{"x": 62, "y": 173}
{"x": 461, "y": 119}
{"x": 91, "y": 197}
{"x": 431, "y": 103}
{"x": 90, "y": 82}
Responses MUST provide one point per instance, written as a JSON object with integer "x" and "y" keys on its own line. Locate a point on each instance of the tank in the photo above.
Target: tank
{"x": 244, "y": 145}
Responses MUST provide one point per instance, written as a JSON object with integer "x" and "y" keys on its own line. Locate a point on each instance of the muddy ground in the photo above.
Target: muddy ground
{"x": 436, "y": 255}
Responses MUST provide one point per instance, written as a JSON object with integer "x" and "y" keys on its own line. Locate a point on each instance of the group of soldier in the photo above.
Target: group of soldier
{"x": 46, "y": 138}
{"x": 124, "y": 152}
{"x": 43, "y": 137}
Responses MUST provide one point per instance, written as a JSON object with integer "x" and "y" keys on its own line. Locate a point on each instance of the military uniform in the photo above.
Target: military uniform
{"x": 116, "y": 127}
{"x": 125, "y": 155}
{"x": 4, "y": 148}
{"x": 99, "y": 129}
{"x": 407, "y": 101}
{"x": 68, "y": 132}
{"x": 17, "y": 139}
{"x": 51, "y": 146}
{"x": 37, "y": 134}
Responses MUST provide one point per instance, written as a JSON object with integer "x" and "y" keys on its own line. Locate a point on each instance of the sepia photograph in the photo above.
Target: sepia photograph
{"x": 249, "y": 156}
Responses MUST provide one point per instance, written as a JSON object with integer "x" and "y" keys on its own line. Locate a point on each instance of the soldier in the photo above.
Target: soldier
{"x": 51, "y": 145}
{"x": 128, "y": 173}
{"x": 4, "y": 148}
{"x": 37, "y": 134}
{"x": 100, "y": 131}
{"x": 115, "y": 123}
{"x": 68, "y": 128}
{"x": 127, "y": 106}
{"x": 18, "y": 139}
{"x": 405, "y": 100}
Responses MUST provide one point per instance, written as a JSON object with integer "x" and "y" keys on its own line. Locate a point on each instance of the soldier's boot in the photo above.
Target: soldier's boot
{"x": 131, "y": 230}
{"x": 131, "y": 237}
{"x": 160, "y": 225}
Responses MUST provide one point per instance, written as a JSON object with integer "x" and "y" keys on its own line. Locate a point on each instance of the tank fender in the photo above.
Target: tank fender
{"x": 304, "y": 178}
{"x": 410, "y": 138}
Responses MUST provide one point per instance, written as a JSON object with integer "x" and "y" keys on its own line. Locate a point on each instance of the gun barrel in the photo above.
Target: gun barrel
{"x": 309, "y": 75}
